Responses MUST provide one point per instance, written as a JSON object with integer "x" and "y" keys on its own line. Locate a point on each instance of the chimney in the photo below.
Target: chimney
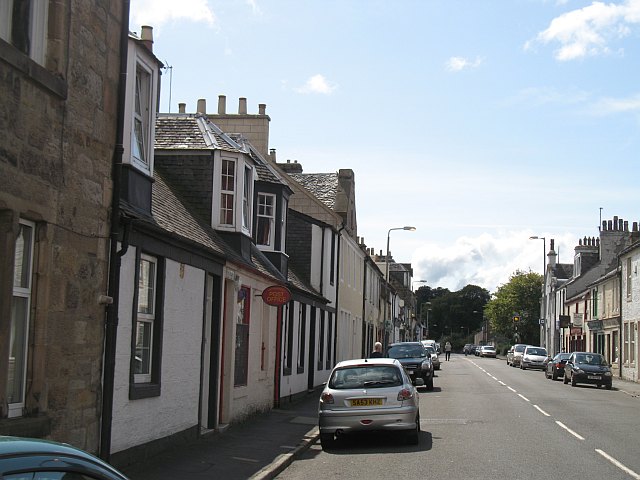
{"x": 202, "y": 106}
{"x": 182, "y": 108}
{"x": 262, "y": 109}
{"x": 242, "y": 106}
{"x": 222, "y": 105}
{"x": 272, "y": 155}
{"x": 552, "y": 255}
{"x": 147, "y": 37}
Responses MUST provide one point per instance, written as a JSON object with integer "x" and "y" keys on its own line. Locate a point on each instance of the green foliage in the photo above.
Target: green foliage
{"x": 520, "y": 296}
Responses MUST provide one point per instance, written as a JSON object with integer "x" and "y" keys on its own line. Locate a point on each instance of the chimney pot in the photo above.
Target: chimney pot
{"x": 262, "y": 109}
{"x": 202, "y": 106}
{"x": 222, "y": 105}
{"x": 242, "y": 106}
{"x": 182, "y": 108}
{"x": 146, "y": 35}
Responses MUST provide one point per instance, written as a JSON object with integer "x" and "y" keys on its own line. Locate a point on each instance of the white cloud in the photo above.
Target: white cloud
{"x": 618, "y": 105}
{"x": 487, "y": 260}
{"x": 159, "y": 12}
{"x": 588, "y": 31}
{"x": 457, "y": 64}
{"x": 317, "y": 84}
{"x": 255, "y": 8}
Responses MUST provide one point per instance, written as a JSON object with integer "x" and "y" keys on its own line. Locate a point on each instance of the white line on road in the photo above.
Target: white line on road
{"x": 541, "y": 411}
{"x": 512, "y": 389}
{"x": 502, "y": 383}
{"x": 618, "y": 464}
{"x": 494, "y": 378}
{"x": 579, "y": 437}
{"x": 523, "y": 397}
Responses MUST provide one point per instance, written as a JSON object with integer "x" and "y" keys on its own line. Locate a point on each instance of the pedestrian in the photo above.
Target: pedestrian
{"x": 377, "y": 350}
{"x": 447, "y": 351}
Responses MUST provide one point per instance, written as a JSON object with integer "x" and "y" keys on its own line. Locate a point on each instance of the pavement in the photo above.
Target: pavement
{"x": 259, "y": 448}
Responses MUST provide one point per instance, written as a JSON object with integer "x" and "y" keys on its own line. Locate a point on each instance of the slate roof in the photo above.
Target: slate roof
{"x": 563, "y": 271}
{"x": 187, "y": 131}
{"x": 323, "y": 186}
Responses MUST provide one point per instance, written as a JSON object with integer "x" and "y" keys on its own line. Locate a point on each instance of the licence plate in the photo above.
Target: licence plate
{"x": 594, "y": 377}
{"x": 411, "y": 372}
{"x": 366, "y": 402}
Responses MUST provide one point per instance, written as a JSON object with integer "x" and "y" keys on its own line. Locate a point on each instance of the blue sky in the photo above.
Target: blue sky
{"x": 479, "y": 122}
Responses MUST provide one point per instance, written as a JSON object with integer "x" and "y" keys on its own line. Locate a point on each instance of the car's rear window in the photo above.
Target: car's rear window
{"x": 520, "y": 348}
{"x": 536, "y": 351}
{"x": 378, "y": 376}
{"x": 407, "y": 351}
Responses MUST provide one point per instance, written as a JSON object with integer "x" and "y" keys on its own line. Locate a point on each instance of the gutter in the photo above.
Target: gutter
{"x": 115, "y": 256}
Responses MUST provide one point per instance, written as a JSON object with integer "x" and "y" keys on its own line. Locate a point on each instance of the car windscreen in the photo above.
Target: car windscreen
{"x": 406, "y": 351}
{"x": 590, "y": 359}
{"x": 378, "y": 376}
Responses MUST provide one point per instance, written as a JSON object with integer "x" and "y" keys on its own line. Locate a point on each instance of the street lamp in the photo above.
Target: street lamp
{"x": 544, "y": 253}
{"x": 386, "y": 262}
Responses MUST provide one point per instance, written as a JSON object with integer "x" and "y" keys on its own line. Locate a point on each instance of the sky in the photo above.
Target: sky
{"x": 481, "y": 123}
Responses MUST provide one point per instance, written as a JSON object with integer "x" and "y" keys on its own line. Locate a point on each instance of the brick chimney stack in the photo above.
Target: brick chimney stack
{"x": 147, "y": 37}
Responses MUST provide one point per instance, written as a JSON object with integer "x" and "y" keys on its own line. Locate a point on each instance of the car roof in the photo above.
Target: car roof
{"x": 406, "y": 343}
{"x": 11, "y": 447}
{"x": 367, "y": 361}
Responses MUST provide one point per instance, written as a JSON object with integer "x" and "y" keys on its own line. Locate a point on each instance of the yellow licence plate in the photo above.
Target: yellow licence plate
{"x": 366, "y": 402}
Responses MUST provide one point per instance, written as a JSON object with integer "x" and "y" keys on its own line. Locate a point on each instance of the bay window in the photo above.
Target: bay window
{"x": 227, "y": 192}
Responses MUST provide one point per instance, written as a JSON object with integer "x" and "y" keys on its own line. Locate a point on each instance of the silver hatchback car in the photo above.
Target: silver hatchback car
{"x": 369, "y": 395}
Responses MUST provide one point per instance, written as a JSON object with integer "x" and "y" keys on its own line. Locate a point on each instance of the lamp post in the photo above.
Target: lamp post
{"x": 386, "y": 262}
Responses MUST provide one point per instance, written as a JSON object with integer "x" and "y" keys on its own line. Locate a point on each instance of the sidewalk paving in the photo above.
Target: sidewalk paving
{"x": 259, "y": 448}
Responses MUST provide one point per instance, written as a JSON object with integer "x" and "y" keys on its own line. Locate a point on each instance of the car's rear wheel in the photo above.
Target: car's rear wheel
{"x": 327, "y": 440}
{"x": 573, "y": 381}
{"x": 554, "y": 376}
{"x": 413, "y": 436}
{"x": 429, "y": 383}
{"x": 608, "y": 386}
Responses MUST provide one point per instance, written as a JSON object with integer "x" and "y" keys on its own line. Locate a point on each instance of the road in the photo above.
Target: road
{"x": 487, "y": 420}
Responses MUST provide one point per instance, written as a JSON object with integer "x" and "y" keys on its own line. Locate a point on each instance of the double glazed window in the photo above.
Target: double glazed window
{"x": 266, "y": 220}
{"x": 141, "y": 134}
{"x": 23, "y": 23}
{"x": 20, "y": 306}
{"x": 227, "y": 192}
{"x": 147, "y": 274}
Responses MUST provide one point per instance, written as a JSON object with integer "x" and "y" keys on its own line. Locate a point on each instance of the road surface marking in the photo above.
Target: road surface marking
{"x": 494, "y": 378}
{"x": 579, "y": 437}
{"x": 541, "y": 411}
{"x": 618, "y": 464}
{"x": 513, "y": 390}
{"x": 523, "y": 397}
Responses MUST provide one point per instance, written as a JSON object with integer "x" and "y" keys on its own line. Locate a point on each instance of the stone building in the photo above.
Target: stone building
{"x": 59, "y": 84}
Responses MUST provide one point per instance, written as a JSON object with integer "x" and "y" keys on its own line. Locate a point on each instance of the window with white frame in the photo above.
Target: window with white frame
{"x": 283, "y": 225}
{"x": 246, "y": 198}
{"x": 629, "y": 279}
{"x": 142, "y": 117}
{"x": 24, "y": 24}
{"x": 227, "y": 192}
{"x": 147, "y": 280}
{"x": 20, "y": 306}
{"x": 266, "y": 220}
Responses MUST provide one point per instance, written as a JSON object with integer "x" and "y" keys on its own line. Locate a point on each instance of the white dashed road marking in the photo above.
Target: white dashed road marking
{"x": 562, "y": 425}
{"x": 618, "y": 464}
{"x": 523, "y": 397}
{"x": 541, "y": 411}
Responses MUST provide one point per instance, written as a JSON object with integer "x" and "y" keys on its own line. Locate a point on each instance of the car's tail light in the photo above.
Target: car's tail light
{"x": 404, "y": 394}
{"x": 558, "y": 365}
{"x": 326, "y": 397}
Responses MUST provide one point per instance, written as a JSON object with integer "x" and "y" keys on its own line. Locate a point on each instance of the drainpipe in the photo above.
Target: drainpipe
{"x": 620, "y": 320}
{"x": 335, "y": 332}
{"x": 111, "y": 323}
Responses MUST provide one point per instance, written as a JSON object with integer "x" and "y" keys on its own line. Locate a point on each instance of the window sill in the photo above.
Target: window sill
{"x": 139, "y": 391}
{"x": 37, "y": 73}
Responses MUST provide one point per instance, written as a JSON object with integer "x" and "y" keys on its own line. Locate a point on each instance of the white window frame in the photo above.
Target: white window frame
{"x": 147, "y": 317}
{"x": 144, "y": 117}
{"x": 283, "y": 225}
{"x": 266, "y": 202}
{"x": 15, "y": 409}
{"x": 247, "y": 197}
{"x": 38, "y": 27}
{"x": 225, "y": 192}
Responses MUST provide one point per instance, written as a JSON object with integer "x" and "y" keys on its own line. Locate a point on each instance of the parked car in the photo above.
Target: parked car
{"x": 515, "y": 354}
{"x": 466, "y": 348}
{"x": 554, "y": 368}
{"x": 435, "y": 360}
{"x": 30, "y": 458}
{"x": 533, "y": 357}
{"x": 587, "y": 367}
{"x": 488, "y": 351}
{"x": 415, "y": 359}
{"x": 368, "y": 396}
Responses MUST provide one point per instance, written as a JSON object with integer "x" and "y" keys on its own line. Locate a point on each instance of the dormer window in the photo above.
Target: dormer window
{"x": 227, "y": 192}
{"x": 246, "y": 199}
{"x": 141, "y": 134}
{"x": 266, "y": 220}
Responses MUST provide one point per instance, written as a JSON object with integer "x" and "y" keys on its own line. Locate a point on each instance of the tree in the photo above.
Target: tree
{"x": 520, "y": 297}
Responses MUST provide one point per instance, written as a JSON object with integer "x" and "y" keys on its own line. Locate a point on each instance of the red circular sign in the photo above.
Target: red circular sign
{"x": 276, "y": 295}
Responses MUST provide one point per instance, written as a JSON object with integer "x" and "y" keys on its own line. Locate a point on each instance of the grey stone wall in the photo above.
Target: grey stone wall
{"x": 57, "y": 140}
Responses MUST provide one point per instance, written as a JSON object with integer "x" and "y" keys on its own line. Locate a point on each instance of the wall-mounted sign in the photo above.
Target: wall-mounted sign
{"x": 276, "y": 295}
